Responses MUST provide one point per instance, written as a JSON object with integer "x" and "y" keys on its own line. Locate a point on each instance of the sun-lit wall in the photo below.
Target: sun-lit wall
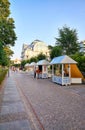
{"x": 35, "y": 48}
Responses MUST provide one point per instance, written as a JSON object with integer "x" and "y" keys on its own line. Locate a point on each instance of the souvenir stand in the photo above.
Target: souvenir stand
{"x": 43, "y": 68}
{"x": 32, "y": 68}
{"x": 61, "y": 70}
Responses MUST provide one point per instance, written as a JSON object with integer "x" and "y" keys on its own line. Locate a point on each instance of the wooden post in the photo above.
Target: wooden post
{"x": 70, "y": 73}
{"x": 62, "y": 74}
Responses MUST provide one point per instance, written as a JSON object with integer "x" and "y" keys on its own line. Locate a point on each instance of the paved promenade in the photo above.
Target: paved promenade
{"x": 13, "y": 115}
{"x": 38, "y": 104}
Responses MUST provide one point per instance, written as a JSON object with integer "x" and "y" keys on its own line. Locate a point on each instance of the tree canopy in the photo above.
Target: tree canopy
{"x": 80, "y": 58}
{"x": 7, "y": 32}
{"x": 41, "y": 56}
{"x": 4, "y": 9}
{"x": 68, "y": 40}
{"x": 56, "y": 51}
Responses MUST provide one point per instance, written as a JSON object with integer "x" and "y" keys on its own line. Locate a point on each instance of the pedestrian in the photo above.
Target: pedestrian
{"x": 34, "y": 73}
{"x": 38, "y": 72}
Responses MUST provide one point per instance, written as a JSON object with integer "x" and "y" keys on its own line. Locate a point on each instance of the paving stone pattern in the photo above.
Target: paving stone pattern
{"x": 57, "y": 107}
{"x": 12, "y": 112}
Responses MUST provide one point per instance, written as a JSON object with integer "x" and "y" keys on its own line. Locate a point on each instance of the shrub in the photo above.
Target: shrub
{"x": 3, "y": 73}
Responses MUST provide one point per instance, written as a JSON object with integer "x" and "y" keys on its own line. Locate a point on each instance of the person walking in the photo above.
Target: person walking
{"x": 35, "y": 73}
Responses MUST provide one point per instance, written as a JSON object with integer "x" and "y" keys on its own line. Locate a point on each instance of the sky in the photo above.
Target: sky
{"x": 41, "y": 19}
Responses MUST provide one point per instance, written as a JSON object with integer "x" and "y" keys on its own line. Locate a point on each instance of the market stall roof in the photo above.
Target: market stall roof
{"x": 27, "y": 64}
{"x": 63, "y": 60}
{"x": 32, "y": 64}
{"x": 43, "y": 62}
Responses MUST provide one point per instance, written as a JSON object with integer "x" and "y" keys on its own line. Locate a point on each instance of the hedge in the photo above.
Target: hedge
{"x": 3, "y": 73}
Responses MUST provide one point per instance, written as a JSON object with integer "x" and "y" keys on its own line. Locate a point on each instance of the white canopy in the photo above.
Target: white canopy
{"x": 32, "y": 64}
{"x": 27, "y": 64}
{"x": 43, "y": 62}
{"x": 63, "y": 60}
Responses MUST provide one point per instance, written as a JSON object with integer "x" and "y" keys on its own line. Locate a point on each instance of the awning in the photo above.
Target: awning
{"x": 43, "y": 62}
{"x": 63, "y": 60}
{"x": 32, "y": 64}
{"x": 27, "y": 64}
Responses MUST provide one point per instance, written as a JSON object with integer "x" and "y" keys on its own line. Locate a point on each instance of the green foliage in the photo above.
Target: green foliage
{"x": 8, "y": 51}
{"x": 4, "y": 9}
{"x": 50, "y": 47}
{"x": 3, "y": 73}
{"x": 7, "y": 33}
{"x": 16, "y": 65}
{"x": 80, "y": 58}
{"x": 23, "y": 63}
{"x": 4, "y": 56}
{"x": 41, "y": 56}
{"x": 33, "y": 59}
{"x": 56, "y": 51}
{"x": 68, "y": 40}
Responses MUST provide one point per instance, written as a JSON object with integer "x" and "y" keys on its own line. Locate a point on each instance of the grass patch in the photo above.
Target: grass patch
{"x": 3, "y": 72}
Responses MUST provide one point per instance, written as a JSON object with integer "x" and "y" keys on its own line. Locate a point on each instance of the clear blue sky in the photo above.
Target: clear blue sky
{"x": 40, "y": 19}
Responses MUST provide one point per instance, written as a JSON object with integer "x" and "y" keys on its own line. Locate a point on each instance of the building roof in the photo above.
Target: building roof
{"x": 63, "y": 60}
{"x": 43, "y": 62}
{"x": 32, "y": 64}
{"x": 32, "y": 45}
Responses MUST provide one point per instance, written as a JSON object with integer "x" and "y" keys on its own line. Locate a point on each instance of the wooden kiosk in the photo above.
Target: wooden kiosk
{"x": 61, "y": 70}
{"x": 43, "y": 68}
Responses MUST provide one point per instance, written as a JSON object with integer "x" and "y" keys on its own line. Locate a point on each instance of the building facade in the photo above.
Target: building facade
{"x": 33, "y": 49}
{"x": 82, "y": 46}
{"x": 17, "y": 61}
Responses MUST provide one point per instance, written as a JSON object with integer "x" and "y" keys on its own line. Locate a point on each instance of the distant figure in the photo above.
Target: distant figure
{"x": 38, "y": 72}
{"x": 34, "y": 73}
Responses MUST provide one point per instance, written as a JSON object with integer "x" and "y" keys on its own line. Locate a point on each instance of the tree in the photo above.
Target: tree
{"x": 50, "y": 47}
{"x": 1, "y": 53}
{"x": 4, "y": 60}
{"x": 23, "y": 64}
{"x": 68, "y": 40}
{"x": 8, "y": 51}
{"x": 4, "y": 9}
{"x": 80, "y": 59}
{"x": 41, "y": 56}
{"x": 33, "y": 59}
{"x": 56, "y": 51}
{"x": 7, "y": 33}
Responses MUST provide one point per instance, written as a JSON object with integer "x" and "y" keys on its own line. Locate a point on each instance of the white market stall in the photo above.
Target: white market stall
{"x": 43, "y": 68}
{"x": 61, "y": 70}
{"x": 27, "y": 66}
{"x": 32, "y": 66}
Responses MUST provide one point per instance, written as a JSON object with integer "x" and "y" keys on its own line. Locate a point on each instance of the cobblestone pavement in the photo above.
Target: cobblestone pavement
{"x": 57, "y": 107}
{"x": 13, "y": 115}
{"x": 49, "y": 106}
